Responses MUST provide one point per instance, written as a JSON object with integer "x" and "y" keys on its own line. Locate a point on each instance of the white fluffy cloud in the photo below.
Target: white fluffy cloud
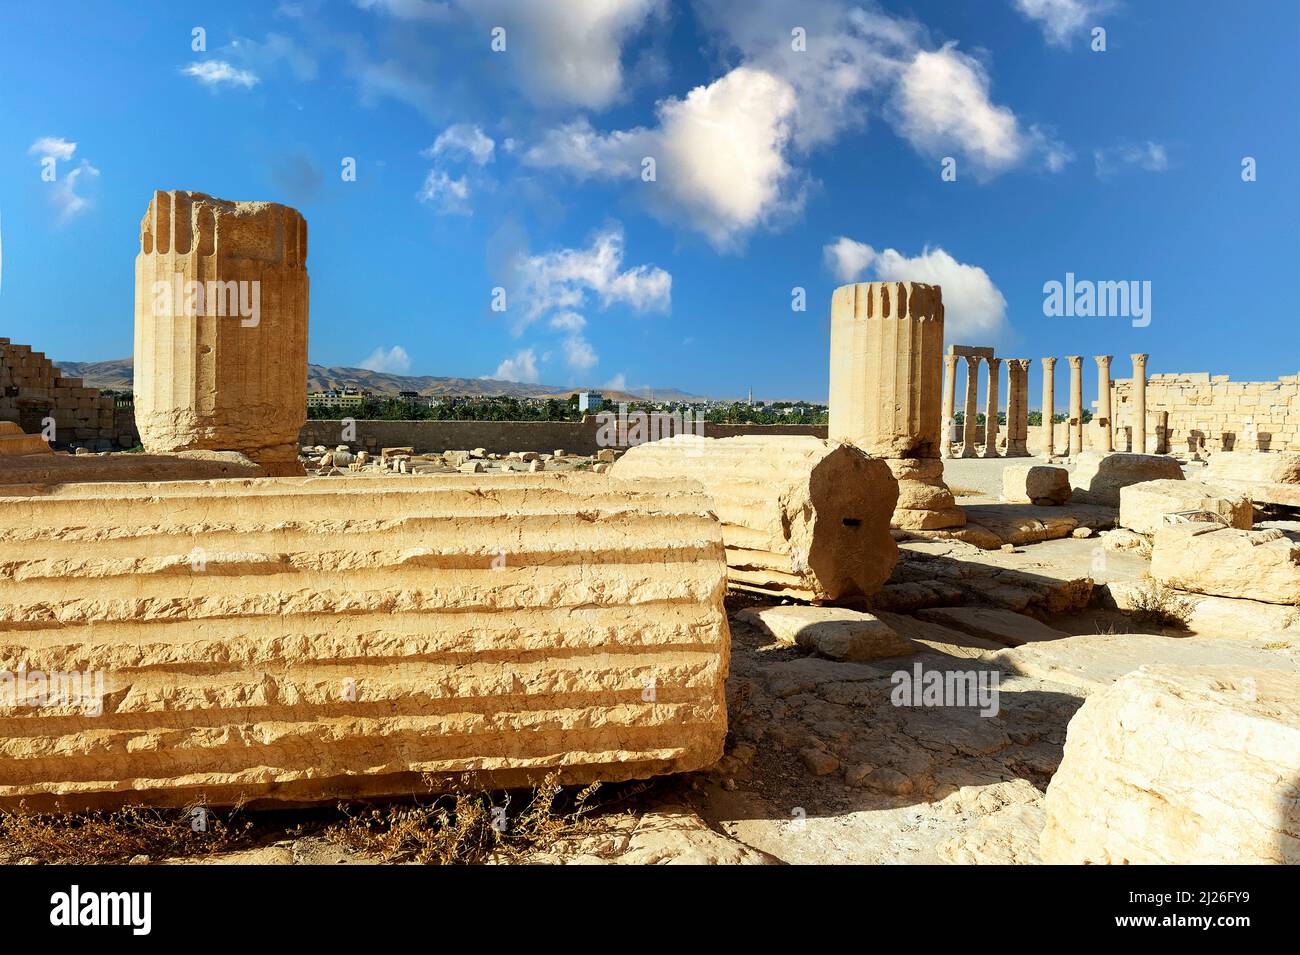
{"x": 973, "y": 306}
{"x": 562, "y": 280}
{"x": 464, "y": 141}
{"x": 1061, "y": 19}
{"x": 447, "y": 195}
{"x": 942, "y": 107}
{"x": 568, "y": 322}
{"x": 617, "y": 383}
{"x": 65, "y": 198}
{"x": 393, "y": 361}
{"x": 52, "y": 147}
{"x": 521, "y": 366}
{"x": 578, "y": 353}
{"x": 847, "y": 258}
{"x": 1148, "y": 157}
{"x": 720, "y": 163}
{"x": 220, "y": 73}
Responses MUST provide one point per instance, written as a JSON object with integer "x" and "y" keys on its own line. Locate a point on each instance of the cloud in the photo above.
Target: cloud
{"x": 407, "y": 9}
{"x": 1147, "y": 157}
{"x": 566, "y": 52}
{"x": 942, "y": 107}
{"x": 847, "y": 259}
{"x": 617, "y": 383}
{"x": 568, "y": 322}
{"x": 578, "y": 353}
{"x": 562, "y": 280}
{"x": 52, "y": 147}
{"x": 394, "y": 361}
{"x": 448, "y": 196}
{"x": 1061, "y": 19}
{"x": 973, "y": 306}
{"x": 215, "y": 73}
{"x": 720, "y": 165}
{"x": 462, "y": 141}
{"x": 730, "y": 154}
{"x": 521, "y": 366}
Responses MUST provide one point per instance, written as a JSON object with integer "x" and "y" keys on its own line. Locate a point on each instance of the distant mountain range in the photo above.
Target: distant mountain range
{"x": 118, "y": 375}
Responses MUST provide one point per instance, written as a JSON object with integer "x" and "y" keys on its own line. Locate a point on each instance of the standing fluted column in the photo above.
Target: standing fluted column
{"x": 221, "y": 328}
{"x": 886, "y": 391}
{"x": 949, "y": 404}
{"x": 1017, "y": 407}
{"x": 969, "y": 412}
{"x": 1049, "y": 407}
{"x": 1104, "y": 421}
{"x": 1139, "y": 403}
{"x": 1076, "y": 403}
{"x": 991, "y": 410}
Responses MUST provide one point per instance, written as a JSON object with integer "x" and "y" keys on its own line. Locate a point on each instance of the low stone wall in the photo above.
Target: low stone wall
{"x": 33, "y": 389}
{"x": 504, "y": 436}
{"x": 1212, "y": 411}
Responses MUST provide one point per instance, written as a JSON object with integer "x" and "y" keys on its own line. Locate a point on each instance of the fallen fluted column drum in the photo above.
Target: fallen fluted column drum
{"x": 802, "y": 517}
{"x": 302, "y": 640}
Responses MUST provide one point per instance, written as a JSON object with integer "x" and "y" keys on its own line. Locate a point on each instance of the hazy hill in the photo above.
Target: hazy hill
{"x": 117, "y": 374}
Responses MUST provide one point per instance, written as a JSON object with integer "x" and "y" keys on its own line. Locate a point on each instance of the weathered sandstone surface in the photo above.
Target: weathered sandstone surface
{"x": 801, "y": 517}
{"x": 1035, "y": 484}
{"x": 1269, "y": 477}
{"x": 14, "y": 443}
{"x": 1180, "y": 765}
{"x": 836, "y": 633}
{"x": 229, "y": 374}
{"x": 1213, "y": 559}
{"x": 298, "y": 640}
{"x": 1143, "y": 507}
{"x": 94, "y": 468}
{"x": 1099, "y": 476}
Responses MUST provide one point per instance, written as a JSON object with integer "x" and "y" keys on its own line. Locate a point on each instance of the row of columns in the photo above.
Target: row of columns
{"x": 1018, "y": 404}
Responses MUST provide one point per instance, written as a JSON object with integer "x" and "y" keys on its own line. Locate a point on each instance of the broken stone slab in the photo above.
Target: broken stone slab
{"x": 371, "y": 632}
{"x": 1143, "y": 507}
{"x": 1003, "y": 626}
{"x": 42, "y": 469}
{"x": 15, "y": 443}
{"x": 1269, "y": 477}
{"x": 1174, "y": 765}
{"x": 1220, "y": 616}
{"x": 1035, "y": 484}
{"x": 801, "y": 516}
{"x": 941, "y": 639}
{"x": 1099, "y": 476}
{"x": 1096, "y": 660}
{"x": 831, "y": 632}
{"x": 1211, "y": 559}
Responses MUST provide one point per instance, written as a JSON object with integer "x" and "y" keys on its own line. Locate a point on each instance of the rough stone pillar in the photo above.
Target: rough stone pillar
{"x": 1049, "y": 407}
{"x": 1017, "y": 407}
{"x": 221, "y": 294}
{"x": 886, "y": 390}
{"x": 1076, "y": 403}
{"x": 991, "y": 410}
{"x": 972, "y": 395}
{"x": 949, "y": 404}
{"x": 1139, "y": 403}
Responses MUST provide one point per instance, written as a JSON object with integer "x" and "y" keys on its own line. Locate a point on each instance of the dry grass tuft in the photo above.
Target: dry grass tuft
{"x": 108, "y": 838}
{"x": 469, "y": 826}
{"x": 1154, "y": 604}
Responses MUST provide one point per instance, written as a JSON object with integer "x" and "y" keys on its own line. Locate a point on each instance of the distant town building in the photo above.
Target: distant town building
{"x": 590, "y": 401}
{"x": 347, "y": 398}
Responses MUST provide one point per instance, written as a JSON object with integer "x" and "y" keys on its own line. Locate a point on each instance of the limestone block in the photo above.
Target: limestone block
{"x": 221, "y": 328}
{"x": 1269, "y": 477}
{"x": 833, "y": 632}
{"x": 1212, "y": 559}
{"x": 1143, "y": 507}
{"x": 1099, "y": 476}
{"x": 1180, "y": 765}
{"x": 40, "y": 470}
{"x": 304, "y": 640}
{"x": 15, "y": 443}
{"x": 802, "y": 517}
{"x": 1036, "y": 484}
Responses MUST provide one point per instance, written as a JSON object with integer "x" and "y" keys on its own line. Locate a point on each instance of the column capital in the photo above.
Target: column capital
{"x": 1103, "y": 361}
{"x": 994, "y": 362}
{"x": 1021, "y": 362}
{"x": 1048, "y": 363}
{"x": 1076, "y": 361}
{"x": 1139, "y": 360}
{"x": 950, "y": 361}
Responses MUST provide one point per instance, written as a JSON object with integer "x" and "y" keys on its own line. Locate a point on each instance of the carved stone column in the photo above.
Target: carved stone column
{"x": 1105, "y": 423}
{"x": 991, "y": 410}
{"x": 1139, "y": 403}
{"x": 1076, "y": 403}
{"x": 1049, "y": 406}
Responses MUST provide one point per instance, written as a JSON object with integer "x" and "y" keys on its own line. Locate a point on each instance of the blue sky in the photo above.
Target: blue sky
{"x": 775, "y": 168}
